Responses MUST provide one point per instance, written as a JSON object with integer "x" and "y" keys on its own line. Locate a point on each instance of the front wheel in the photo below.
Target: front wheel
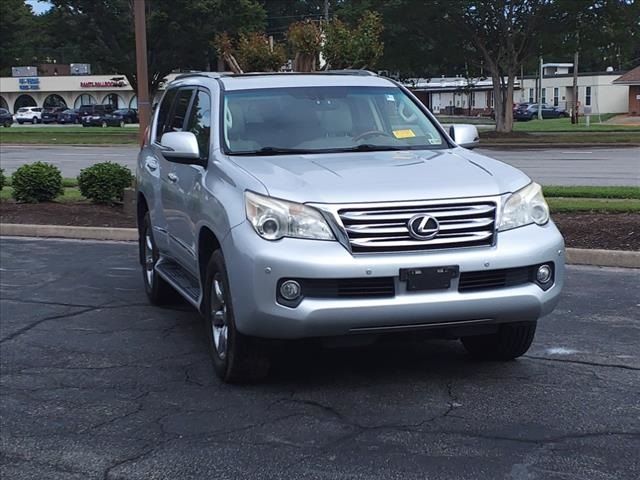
{"x": 157, "y": 289}
{"x": 236, "y": 358}
{"x": 511, "y": 341}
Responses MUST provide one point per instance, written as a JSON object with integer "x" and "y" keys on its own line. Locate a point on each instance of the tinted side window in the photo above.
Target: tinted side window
{"x": 163, "y": 113}
{"x": 176, "y": 124}
{"x": 200, "y": 121}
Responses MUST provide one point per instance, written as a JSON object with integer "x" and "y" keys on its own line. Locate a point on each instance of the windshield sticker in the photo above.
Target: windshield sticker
{"x": 407, "y": 133}
{"x": 434, "y": 141}
{"x": 391, "y": 98}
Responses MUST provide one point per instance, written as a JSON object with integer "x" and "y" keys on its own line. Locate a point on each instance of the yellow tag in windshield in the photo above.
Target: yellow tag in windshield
{"x": 408, "y": 133}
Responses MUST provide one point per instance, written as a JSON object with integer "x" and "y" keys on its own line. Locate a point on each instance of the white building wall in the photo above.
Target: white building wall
{"x": 605, "y": 97}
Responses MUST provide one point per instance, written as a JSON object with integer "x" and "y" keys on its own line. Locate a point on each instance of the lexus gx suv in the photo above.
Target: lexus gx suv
{"x": 287, "y": 206}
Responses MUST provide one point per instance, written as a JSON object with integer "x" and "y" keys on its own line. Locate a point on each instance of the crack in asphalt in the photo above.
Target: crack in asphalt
{"x": 34, "y": 324}
{"x": 583, "y": 362}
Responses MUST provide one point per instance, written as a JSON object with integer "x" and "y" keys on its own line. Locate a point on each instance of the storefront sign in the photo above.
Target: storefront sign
{"x": 29, "y": 83}
{"x": 107, "y": 84}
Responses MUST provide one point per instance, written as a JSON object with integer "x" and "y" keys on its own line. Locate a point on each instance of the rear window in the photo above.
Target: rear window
{"x": 23, "y": 110}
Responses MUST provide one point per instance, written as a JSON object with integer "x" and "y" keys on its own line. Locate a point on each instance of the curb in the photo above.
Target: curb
{"x": 603, "y": 258}
{"x": 537, "y": 146}
{"x": 49, "y": 145}
{"x": 63, "y": 231}
{"x": 575, "y": 256}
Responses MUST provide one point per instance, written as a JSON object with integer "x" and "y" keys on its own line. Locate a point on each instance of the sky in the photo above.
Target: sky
{"x": 39, "y": 7}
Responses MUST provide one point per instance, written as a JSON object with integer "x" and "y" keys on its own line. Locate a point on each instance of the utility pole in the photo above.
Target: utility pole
{"x": 326, "y": 10}
{"x": 574, "y": 113}
{"x": 540, "y": 94}
{"x": 144, "y": 108}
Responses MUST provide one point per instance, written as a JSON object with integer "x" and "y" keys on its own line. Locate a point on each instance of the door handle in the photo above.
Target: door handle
{"x": 172, "y": 177}
{"x": 151, "y": 164}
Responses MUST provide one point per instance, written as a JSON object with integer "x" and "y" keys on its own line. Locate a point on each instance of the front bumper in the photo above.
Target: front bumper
{"x": 255, "y": 266}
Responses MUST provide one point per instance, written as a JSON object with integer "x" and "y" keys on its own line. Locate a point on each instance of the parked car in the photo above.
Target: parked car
{"x": 6, "y": 119}
{"x": 50, "y": 115}
{"x": 531, "y": 112}
{"x": 129, "y": 115}
{"x": 69, "y": 116}
{"x": 119, "y": 118}
{"x": 93, "y": 110}
{"x": 28, "y": 114}
{"x": 334, "y": 204}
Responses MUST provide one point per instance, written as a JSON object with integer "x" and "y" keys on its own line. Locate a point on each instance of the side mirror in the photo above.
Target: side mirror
{"x": 465, "y": 136}
{"x": 181, "y": 147}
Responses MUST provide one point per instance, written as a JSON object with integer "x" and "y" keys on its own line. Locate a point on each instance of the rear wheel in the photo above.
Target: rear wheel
{"x": 157, "y": 289}
{"x": 34, "y": 120}
{"x": 236, "y": 358}
{"x": 511, "y": 341}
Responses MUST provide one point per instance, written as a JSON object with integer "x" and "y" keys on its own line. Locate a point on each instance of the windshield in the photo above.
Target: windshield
{"x": 325, "y": 119}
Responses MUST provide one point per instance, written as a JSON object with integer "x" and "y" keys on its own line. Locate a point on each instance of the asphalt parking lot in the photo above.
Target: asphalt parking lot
{"x": 95, "y": 383}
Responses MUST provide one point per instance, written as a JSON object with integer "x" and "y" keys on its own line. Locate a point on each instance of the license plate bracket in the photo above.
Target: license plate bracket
{"x": 428, "y": 278}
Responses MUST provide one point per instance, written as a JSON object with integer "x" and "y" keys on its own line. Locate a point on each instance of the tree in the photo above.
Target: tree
{"x": 504, "y": 34}
{"x": 179, "y": 34}
{"x": 17, "y": 33}
{"x": 347, "y": 46}
{"x": 305, "y": 40}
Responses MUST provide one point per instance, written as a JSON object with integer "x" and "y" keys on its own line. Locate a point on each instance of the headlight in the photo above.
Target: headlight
{"x": 274, "y": 219}
{"x": 524, "y": 207}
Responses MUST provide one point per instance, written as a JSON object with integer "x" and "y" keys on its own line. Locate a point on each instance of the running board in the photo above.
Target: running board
{"x": 185, "y": 283}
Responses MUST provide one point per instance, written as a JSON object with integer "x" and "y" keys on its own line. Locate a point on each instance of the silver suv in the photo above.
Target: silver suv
{"x": 286, "y": 206}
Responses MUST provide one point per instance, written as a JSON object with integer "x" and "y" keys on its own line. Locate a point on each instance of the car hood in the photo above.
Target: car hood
{"x": 382, "y": 176}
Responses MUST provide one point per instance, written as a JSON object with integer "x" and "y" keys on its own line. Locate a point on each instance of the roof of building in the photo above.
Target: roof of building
{"x": 632, "y": 77}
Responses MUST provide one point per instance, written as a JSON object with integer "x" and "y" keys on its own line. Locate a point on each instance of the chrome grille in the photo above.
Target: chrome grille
{"x": 383, "y": 228}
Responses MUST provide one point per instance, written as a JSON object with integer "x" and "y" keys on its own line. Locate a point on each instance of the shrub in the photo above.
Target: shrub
{"x": 104, "y": 182}
{"x": 37, "y": 182}
{"x": 2, "y": 179}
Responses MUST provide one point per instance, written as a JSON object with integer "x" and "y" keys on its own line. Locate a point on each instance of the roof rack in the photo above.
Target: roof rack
{"x": 199, "y": 74}
{"x": 351, "y": 71}
{"x": 361, "y": 73}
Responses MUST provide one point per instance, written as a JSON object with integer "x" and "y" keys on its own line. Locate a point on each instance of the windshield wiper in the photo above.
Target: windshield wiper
{"x": 274, "y": 151}
{"x": 368, "y": 147}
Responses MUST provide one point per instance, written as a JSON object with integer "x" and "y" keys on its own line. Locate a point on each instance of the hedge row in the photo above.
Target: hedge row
{"x": 42, "y": 182}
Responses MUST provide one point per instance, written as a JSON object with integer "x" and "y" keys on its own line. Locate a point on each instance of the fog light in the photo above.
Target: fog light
{"x": 290, "y": 290}
{"x": 543, "y": 275}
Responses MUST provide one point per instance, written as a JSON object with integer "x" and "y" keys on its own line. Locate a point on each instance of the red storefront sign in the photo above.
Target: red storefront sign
{"x": 106, "y": 84}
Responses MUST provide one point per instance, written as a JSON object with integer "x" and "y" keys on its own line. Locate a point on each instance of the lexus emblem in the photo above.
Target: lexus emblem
{"x": 423, "y": 226}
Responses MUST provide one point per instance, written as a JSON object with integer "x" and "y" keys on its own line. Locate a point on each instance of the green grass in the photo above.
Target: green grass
{"x": 70, "y": 195}
{"x": 596, "y": 205}
{"x": 68, "y": 135}
{"x": 564, "y": 125}
{"x": 66, "y": 182}
{"x": 552, "y": 191}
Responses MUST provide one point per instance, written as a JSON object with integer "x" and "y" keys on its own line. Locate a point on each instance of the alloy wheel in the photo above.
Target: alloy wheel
{"x": 219, "y": 325}
{"x": 149, "y": 261}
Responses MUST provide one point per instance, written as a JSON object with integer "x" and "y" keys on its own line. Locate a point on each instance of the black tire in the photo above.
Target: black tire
{"x": 20, "y": 123}
{"x": 156, "y": 288}
{"x": 511, "y": 341}
{"x": 242, "y": 359}
{"x": 34, "y": 120}
{"x": 7, "y": 124}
